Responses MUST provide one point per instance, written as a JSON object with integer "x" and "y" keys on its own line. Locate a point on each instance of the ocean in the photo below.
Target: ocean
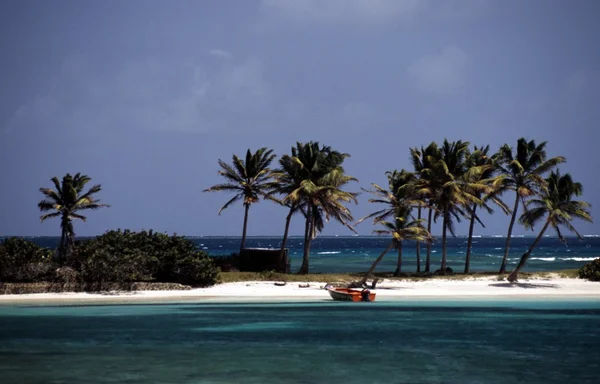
{"x": 409, "y": 341}
{"x": 356, "y": 253}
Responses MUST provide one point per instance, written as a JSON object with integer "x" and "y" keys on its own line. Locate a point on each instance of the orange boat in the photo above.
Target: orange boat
{"x": 347, "y": 294}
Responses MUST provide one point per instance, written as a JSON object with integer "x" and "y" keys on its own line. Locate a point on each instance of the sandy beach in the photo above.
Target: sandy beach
{"x": 476, "y": 288}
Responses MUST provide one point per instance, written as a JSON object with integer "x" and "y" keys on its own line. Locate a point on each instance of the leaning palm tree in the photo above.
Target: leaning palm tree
{"x": 401, "y": 228}
{"x": 555, "y": 208}
{"x": 481, "y": 168}
{"x": 249, "y": 180}
{"x": 422, "y": 161}
{"x": 287, "y": 178}
{"x": 398, "y": 202}
{"x": 522, "y": 172}
{"x": 66, "y": 201}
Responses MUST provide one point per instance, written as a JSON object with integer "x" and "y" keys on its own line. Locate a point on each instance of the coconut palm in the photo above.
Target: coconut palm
{"x": 286, "y": 180}
{"x": 319, "y": 178}
{"x": 522, "y": 171}
{"x": 67, "y": 200}
{"x": 555, "y": 208}
{"x": 422, "y": 160}
{"x": 249, "y": 179}
{"x": 480, "y": 168}
{"x": 398, "y": 201}
{"x": 452, "y": 193}
{"x": 401, "y": 228}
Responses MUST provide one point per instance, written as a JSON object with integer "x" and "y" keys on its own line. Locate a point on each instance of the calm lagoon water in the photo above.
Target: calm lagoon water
{"x": 413, "y": 341}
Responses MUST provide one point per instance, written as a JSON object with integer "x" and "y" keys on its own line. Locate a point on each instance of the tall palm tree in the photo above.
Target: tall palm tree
{"x": 555, "y": 208}
{"x": 398, "y": 201}
{"x": 249, "y": 179}
{"x": 522, "y": 172}
{"x": 320, "y": 178}
{"x": 422, "y": 160}
{"x": 452, "y": 194}
{"x": 287, "y": 179}
{"x": 66, "y": 201}
{"x": 401, "y": 228}
{"x": 481, "y": 168}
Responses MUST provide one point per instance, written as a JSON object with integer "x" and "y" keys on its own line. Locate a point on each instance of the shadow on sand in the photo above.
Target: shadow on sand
{"x": 523, "y": 285}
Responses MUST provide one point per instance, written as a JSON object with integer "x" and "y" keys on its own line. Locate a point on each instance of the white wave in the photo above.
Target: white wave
{"x": 498, "y": 248}
{"x": 474, "y": 236}
{"x": 434, "y": 251}
{"x": 591, "y": 235}
{"x": 497, "y": 236}
{"x": 578, "y": 258}
{"x": 544, "y": 258}
{"x": 328, "y": 253}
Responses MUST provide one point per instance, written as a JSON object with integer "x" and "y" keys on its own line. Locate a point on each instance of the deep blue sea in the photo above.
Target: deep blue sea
{"x": 356, "y": 253}
{"x": 309, "y": 342}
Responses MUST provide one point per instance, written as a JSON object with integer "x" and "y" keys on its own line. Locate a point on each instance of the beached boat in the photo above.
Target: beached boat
{"x": 347, "y": 294}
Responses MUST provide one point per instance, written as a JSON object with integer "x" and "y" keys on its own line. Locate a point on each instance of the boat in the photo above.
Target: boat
{"x": 348, "y": 294}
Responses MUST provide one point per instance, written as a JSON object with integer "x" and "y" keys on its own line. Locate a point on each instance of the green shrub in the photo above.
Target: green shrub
{"x": 126, "y": 256}
{"x": 591, "y": 270}
{"x": 24, "y": 261}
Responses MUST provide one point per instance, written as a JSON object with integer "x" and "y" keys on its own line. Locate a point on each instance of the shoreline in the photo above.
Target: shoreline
{"x": 479, "y": 288}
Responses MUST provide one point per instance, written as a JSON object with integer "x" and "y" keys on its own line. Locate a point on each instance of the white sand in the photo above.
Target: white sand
{"x": 476, "y": 288}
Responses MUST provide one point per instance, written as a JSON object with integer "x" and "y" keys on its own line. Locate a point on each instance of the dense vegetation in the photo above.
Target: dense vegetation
{"x": 115, "y": 257}
{"x": 591, "y": 270}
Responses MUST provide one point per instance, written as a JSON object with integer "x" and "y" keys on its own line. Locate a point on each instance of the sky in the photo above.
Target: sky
{"x": 145, "y": 96}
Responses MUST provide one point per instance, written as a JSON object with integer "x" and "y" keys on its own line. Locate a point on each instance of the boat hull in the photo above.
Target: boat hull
{"x": 347, "y": 294}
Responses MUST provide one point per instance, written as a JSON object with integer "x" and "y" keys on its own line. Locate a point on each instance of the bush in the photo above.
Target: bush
{"x": 116, "y": 257}
{"x": 24, "y": 261}
{"x": 591, "y": 271}
{"x": 125, "y": 256}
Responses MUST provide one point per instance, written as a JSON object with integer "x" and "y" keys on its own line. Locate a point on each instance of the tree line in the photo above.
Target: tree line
{"x": 448, "y": 183}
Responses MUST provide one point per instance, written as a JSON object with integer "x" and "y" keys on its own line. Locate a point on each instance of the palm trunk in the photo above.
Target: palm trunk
{"x": 418, "y": 250}
{"x": 61, "y": 247}
{"x": 514, "y": 274}
{"x": 444, "y": 245}
{"x": 246, "y": 209}
{"x": 307, "y": 235}
{"x": 288, "y": 219}
{"x": 428, "y": 258}
{"x": 372, "y": 268}
{"x": 509, "y": 235}
{"x": 470, "y": 241}
{"x": 399, "y": 266}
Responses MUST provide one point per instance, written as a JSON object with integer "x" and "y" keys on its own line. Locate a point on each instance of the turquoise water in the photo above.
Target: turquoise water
{"x": 356, "y": 253}
{"x": 319, "y": 342}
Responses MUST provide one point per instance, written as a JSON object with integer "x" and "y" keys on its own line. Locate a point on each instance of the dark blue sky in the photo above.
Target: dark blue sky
{"x": 144, "y": 96}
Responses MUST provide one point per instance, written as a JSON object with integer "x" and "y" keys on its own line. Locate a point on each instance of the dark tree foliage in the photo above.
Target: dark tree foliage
{"x": 591, "y": 271}
{"x": 23, "y": 261}
{"x": 126, "y": 256}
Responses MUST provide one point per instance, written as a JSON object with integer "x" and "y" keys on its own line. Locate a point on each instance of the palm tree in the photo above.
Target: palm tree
{"x": 398, "y": 204}
{"x": 556, "y": 204}
{"x": 423, "y": 160}
{"x": 249, "y": 180}
{"x": 523, "y": 172}
{"x": 286, "y": 180}
{"x": 66, "y": 201}
{"x": 452, "y": 194}
{"x": 400, "y": 228}
{"x": 481, "y": 169}
{"x": 318, "y": 180}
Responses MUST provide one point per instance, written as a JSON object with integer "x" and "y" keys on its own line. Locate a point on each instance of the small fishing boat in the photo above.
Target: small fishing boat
{"x": 347, "y": 294}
